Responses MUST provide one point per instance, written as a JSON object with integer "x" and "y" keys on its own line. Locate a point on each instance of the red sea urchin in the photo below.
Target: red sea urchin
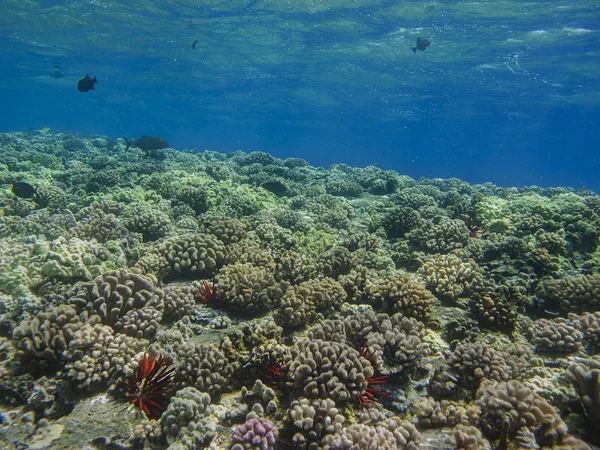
{"x": 148, "y": 386}
{"x": 370, "y": 392}
{"x": 206, "y": 293}
{"x": 376, "y": 380}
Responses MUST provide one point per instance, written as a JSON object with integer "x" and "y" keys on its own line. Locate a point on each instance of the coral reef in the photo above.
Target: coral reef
{"x": 586, "y": 377}
{"x": 575, "y": 293}
{"x": 401, "y": 294}
{"x": 510, "y": 406}
{"x": 325, "y": 369}
{"x": 300, "y": 303}
{"x": 244, "y": 301}
{"x": 556, "y": 335}
{"x": 203, "y": 366}
{"x": 385, "y": 433}
{"x": 313, "y": 420}
{"x": 256, "y": 433}
{"x": 449, "y": 277}
{"x": 184, "y": 419}
{"x": 250, "y": 288}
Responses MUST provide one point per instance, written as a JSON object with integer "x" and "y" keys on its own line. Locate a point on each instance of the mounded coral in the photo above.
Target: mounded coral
{"x": 440, "y": 235}
{"x": 556, "y": 335}
{"x": 250, "y": 288}
{"x": 262, "y": 158}
{"x": 394, "y": 343}
{"x": 228, "y": 229}
{"x": 300, "y": 303}
{"x": 295, "y": 267}
{"x": 471, "y": 362}
{"x": 247, "y": 251}
{"x": 416, "y": 197}
{"x": 509, "y": 405}
{"x": 355, "y": 283}
{"x": 195, "y": 197}
{"x": 432, "y": 413}
{"x": 29, "y": 264}
{"x": 391, "y": 433}
{"x": 343, "y": 188}
{"x": 468, "y": 437}
{"x": 203, "y": 366}
{"x": 312, "y": 420}
{"x": 256, "y": 434}
{"x": 575, "y": 293}
{"x": 179, "y": 301}
{"x": 125, "y": 299}
{"x": 96, "y": 355}
{"x": 448, "y": 276}
{"x": 325, "y": 369}
{"x": 586, "y": 378}
{"x": 308, "y": 257}
{"x": 399, "y": 221}
{"x": 554, "y": 243}
{"x": 99, "y": 221}
{"x": 151, "y": 222}
{"x": 401, "y": 340}
{"x": 41, "y": 340}
{"x": 590, "y": 326}
{"x": 197, "y": 254}
{"x": 335, "y": 262}
{"x": 262, "y": 394}
{"x": 185, "y": 418}
{"x": 399, "y": 293}
{"x": 493, "y": 310}
{"x": 90, "y": 352}
{"x": 50, "y": 196}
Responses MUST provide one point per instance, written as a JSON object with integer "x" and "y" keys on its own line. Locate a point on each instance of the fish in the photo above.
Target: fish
{"x": 422, "y": 44}
{"x": 56, "y": 73}
{"x": 23, "y": 190}
{"x": 276, "y": 187}
{"x": 147, "y": 143}
{"x": 194, "y": 44}
{"x": 44, "y": 130}
{"x": 86, "y": 84}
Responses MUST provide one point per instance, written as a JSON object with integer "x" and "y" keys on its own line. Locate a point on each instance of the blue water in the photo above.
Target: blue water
{"x": 508, "y": 92}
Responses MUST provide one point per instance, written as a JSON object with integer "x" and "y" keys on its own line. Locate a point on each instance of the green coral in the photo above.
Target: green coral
{"x": 28, "y": 265}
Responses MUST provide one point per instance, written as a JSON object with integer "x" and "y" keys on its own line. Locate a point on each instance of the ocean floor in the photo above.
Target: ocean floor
{"x": 180, "y": 299}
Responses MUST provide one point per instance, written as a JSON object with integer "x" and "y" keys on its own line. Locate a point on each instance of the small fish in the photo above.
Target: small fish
{"x": 276, "y": 187}
{"x": 86, "y": 84}
{"x": 23, "y": 190}
{"x": 147, "y": 143}
{"x": 44, "y": 130}
{"x": 422, "y": 44}
{"x": 56, "y": 73}
{"x": 194, "y": 44}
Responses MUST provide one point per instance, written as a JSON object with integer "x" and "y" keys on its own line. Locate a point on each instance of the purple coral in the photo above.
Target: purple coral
{"x": 255, "y": 433}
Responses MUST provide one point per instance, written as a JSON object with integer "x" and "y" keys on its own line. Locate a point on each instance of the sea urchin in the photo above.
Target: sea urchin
{"x": 148, "y": 386}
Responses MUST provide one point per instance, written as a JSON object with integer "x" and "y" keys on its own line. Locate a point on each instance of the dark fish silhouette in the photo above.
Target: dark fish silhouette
{"x": 422, "y": 44}
{"x": 194, "y": 44}
{"x": 23, "y": 190}
{"x": 276, "y": 187}
{"x": 147, "y": 143}
{"x": 86, "y": 84}
{"x": 56, "y": 73}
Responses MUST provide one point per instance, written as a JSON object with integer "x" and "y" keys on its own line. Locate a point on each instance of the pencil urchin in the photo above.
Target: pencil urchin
{"x": 148, "y": 386}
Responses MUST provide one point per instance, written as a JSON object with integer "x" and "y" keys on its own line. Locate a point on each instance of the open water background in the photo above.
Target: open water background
{"x": 508, "y": 92}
